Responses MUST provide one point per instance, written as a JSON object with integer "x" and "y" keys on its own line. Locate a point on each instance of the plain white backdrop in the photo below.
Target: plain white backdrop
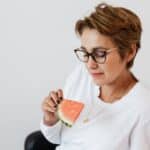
{"x": 37, "y": 39}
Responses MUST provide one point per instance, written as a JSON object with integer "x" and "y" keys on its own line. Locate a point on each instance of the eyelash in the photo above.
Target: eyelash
{"x": 102, "y": 54}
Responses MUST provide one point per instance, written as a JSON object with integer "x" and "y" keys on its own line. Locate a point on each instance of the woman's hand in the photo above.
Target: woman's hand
{"x": 49, "y": 107}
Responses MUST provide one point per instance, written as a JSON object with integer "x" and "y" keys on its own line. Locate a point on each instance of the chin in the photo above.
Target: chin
{"x": 98, "y": 82}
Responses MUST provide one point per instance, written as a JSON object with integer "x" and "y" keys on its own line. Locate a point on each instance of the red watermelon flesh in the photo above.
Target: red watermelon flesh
{"x": 69, "y": 110}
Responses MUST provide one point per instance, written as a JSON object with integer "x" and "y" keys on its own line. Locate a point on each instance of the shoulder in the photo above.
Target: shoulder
{"x": 142, "y": 101}
{"x": 142, "y": 93}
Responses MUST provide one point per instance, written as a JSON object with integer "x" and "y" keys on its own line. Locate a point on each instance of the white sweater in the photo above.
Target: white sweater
{"x": 123, "y": 125}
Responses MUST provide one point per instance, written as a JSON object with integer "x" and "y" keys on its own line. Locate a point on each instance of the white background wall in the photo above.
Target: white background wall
{"x": 36, "y": 54}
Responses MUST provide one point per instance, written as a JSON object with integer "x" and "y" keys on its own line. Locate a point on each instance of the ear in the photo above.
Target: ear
{"x": 132, "y": 53}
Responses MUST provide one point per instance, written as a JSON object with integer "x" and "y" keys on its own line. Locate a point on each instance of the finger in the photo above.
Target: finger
{"x": 44, "y": 101}
{"x": 48, "y": 101}
{"x": 51, "y": 102}
{"x": 60, "y": 94}
{"x": 49, "y": 109}
{"x": 54, "y": 97}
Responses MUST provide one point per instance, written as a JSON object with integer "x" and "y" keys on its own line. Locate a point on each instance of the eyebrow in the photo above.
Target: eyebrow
{"x": 95, "y": 48}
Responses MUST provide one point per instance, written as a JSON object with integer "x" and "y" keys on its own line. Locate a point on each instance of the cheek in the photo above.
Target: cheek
{"x": 113, "y": 67}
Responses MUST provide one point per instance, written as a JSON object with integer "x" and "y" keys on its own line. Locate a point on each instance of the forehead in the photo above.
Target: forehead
{"x": 91, "y": 38}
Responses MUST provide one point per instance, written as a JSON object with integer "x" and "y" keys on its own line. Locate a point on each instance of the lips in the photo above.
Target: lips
{"x": 96, "y": 73}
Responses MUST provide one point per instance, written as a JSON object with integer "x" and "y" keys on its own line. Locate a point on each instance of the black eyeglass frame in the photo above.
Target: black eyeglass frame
{"x": 106, "y": 52}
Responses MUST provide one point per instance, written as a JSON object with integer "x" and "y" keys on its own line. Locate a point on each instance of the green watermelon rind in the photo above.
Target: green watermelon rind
{"x": 62, "y": 118}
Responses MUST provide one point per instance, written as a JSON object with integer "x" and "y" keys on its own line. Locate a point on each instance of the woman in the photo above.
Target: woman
{"x": 117, "y": 105}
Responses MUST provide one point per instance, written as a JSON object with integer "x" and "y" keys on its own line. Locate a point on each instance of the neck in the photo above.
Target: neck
{"x": 118, "y": 88}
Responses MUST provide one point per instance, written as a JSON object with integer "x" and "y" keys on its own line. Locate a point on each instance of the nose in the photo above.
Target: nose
{"x": 91, "y": 63}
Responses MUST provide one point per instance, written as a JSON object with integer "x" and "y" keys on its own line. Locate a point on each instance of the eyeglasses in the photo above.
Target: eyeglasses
{"x": 99, "y": 55}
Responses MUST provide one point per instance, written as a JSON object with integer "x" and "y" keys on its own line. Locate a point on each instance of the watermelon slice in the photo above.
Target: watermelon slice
{"x": 68, "y": 111}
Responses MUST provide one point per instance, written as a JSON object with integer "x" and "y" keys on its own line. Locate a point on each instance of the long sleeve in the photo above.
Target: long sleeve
{"x": 140, "y": 139}
{"x": 53, "y": 133}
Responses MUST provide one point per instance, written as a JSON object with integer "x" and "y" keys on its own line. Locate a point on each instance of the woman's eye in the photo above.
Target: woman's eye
{"x": 85, "y": 54}
{"x": 100, "y": 54}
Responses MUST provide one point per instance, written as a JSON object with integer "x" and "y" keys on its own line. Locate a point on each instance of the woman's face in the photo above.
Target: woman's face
{"x": 113, "y": 67}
